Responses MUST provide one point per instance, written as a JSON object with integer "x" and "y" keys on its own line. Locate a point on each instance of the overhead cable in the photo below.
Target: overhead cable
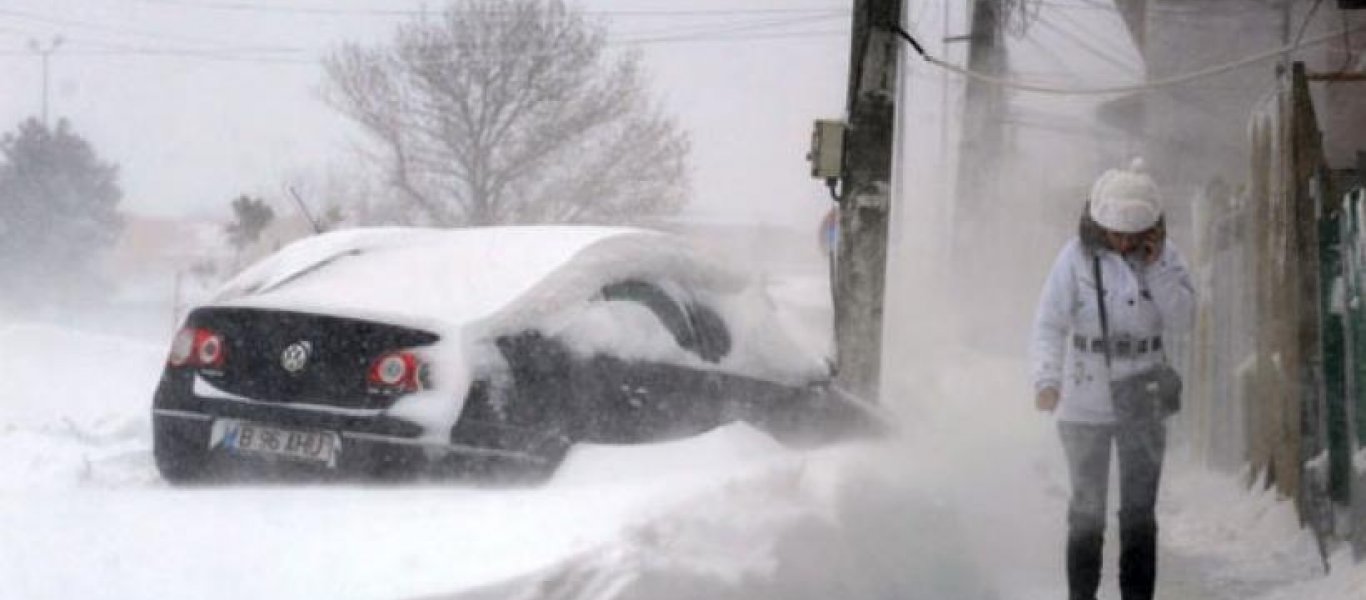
{"x": 235, "y": 6}
{"x": 1307, "y": 18}
{"x": 1105, "y": 54}
{"x": 299, "y": 57}
{"x": 732, "y": 37}
{"x": 107, "y": 29}
{"x": 1040, "y": 88}
{"x": 745, "y": 30}
{"x": 672, "y": 33}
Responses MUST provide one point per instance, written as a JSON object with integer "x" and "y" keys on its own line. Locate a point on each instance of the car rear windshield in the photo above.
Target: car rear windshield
{"x": 284, "y": 278}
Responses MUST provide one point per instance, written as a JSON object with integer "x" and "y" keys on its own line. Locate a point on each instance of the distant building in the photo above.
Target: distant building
{"x": 158, "y": 247}
{"x": 280, "y": 232}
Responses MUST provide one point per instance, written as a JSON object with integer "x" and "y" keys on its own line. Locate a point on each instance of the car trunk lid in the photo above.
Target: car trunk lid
{"x": 289, "y": 357}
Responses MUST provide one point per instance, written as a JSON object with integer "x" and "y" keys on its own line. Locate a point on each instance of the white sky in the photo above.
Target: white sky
{"x": 201, "y": 100}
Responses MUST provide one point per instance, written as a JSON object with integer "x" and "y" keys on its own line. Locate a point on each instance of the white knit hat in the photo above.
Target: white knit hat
{"x": 1125, "y": 200}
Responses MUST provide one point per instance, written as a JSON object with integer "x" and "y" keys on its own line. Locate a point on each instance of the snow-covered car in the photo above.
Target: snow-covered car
{"x": 481, "y": 350}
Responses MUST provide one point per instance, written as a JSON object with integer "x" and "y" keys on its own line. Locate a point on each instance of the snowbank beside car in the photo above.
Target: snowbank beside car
{"x": 840, "y": 523}
{"x": 73, "y": 407}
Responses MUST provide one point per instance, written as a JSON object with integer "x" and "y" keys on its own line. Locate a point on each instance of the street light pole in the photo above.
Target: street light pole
{"x": 45, "y": 52}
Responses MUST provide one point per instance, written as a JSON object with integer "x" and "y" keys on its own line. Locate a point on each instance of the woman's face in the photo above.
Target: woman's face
{"x": 1146, "y": 244}
{"x": 1125, "y": 243}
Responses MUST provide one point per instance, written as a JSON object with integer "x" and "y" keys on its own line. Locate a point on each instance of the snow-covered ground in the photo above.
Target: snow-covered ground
{"x": 967, "y": 503}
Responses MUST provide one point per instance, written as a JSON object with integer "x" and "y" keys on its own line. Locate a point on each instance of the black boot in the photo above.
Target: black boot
{"x": 1085, "y": 540}
{"x": 1137, "y": 556}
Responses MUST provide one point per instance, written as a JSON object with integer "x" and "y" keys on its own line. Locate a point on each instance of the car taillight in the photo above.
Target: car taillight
{"x": 195, "y": 347}
{"x": 398, "y": 371}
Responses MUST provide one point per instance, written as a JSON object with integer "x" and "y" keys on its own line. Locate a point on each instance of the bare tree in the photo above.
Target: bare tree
{"x": 511, "y": 112}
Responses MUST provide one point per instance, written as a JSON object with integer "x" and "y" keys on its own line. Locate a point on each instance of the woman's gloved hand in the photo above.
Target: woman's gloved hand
{"x": 1150, "y": 248}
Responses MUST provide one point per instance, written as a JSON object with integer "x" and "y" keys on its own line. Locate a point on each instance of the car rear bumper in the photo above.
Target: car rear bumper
{"x": 353, "y": 441}
{"x": 370, "y": 442}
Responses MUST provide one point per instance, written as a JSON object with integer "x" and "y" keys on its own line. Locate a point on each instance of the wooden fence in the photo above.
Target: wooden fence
{"x": 1276, "y": 366}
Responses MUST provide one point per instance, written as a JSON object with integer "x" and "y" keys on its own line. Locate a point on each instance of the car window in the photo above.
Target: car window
{"x": 281, "y": 279}
{"x": 713, "y": 339}
{"x": 696, "y": 327}
{"x": 669, "y": 311}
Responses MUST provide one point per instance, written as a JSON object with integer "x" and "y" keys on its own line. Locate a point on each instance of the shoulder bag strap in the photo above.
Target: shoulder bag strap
{"x": 1100, "y": 306}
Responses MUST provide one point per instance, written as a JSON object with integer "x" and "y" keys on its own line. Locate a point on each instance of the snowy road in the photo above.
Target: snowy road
{"x": 962, "y": 507}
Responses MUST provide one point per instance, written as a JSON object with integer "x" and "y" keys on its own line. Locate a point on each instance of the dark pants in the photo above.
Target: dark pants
{"x": 1140, "y": 448}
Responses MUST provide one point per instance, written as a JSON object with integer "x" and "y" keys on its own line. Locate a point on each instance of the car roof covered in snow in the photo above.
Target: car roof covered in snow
{"x": 443, "y": 278}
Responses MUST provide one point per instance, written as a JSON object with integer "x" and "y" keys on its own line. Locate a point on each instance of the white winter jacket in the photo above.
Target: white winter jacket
{"x": 1141, "y": 302}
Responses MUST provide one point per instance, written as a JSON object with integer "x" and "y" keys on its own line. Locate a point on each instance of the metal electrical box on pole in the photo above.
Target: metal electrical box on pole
{"x": 859, "y": 279}
{"x": 827, "y": 149}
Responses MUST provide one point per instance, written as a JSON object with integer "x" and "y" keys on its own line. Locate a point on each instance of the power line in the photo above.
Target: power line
{"x": 738, "y": 26}
{"x": 242, "y": 55}
{"x": 1041, "y": 88}
{"x": 1105, "y": 54}
{"x": 409, "y": 12}
{"x": 1049, "y": 53}
{"x": 65, "y": 22}
{"x": 190, "y": 53}
{"x": 698, "y": 31}
{"x": 1346, "y": 42}
{"x": 1307, "y": 17}
{"x": 740, "y": 38}
{"x": 77, "y": 47}
{"x": 715, "y": 33}
{"x": 731, "y": 29}
{"x": 779, "y": 21}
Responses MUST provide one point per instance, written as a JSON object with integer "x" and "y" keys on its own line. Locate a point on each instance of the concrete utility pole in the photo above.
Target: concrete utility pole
{"x": 979, "y": 235}
{"x": 979, "y": 146}
{"x": 45, "y": 52}
{"x": 865, "y": 195}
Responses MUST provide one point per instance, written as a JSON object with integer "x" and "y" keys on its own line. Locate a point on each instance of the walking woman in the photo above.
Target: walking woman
{"x": 1112, "y": 292}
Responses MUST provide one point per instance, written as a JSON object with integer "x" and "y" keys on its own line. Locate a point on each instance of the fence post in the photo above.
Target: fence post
{"x": 1354, "y": 319}
{"x": 1257, "y": 381}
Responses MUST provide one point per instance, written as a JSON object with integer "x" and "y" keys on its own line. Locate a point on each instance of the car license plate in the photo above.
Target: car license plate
{"x": 313, "y": 446}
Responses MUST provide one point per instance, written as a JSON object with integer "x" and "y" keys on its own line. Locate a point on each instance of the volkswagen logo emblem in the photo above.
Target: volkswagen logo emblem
{"x": 295, "y": 356}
